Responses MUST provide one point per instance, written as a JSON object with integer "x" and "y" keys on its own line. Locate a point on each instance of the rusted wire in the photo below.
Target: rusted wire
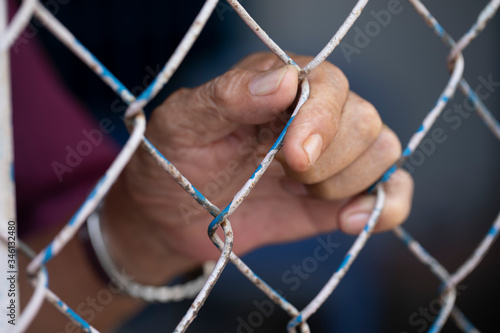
{"x": 136, "y": 123}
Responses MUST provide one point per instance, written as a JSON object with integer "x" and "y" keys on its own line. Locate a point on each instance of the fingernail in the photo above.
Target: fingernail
{"x": 354, "y": 219}
{"x": 267, "y": 83}
{"x": 312, "y": 146}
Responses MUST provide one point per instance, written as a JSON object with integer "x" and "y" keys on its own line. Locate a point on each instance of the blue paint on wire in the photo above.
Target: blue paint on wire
{"x": 83, "y": 324}
{"x": 345, "y": 261}
{"x": 276, "y": 146}
{"x": 146, "y": 94}
{"x": 75, "y": 215}
{"x": 105, "y": 74}
{"x": 387, "y": 175}
{"x": 407, "y": 239}
{"x": 156, "y": 150}
{"x": 48, "y": 253}
{"x": 439, "y": 29}
{"x": 271, "y": 288}
{"x": 407, "y": 152}
{"x": 218, "y": 219}
{"x": 97, "y": 187}
{"x": 296, "y": 321}
{"x": 91, "y": 196}
{"x": 197, "y": 195}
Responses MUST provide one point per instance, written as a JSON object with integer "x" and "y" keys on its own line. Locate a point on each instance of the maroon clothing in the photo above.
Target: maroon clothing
{"x": 49, "y": 123}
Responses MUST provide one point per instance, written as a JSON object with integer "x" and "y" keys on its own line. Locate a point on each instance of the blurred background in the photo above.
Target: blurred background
{"x": 399, "y": 67}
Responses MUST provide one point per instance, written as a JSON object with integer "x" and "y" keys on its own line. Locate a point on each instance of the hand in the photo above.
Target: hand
{"x": 218, "y": 133}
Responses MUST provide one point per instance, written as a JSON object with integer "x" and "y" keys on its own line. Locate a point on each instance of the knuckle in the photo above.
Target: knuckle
{"x": 368, "y": 119}
{"x": 388, "y": 144}
{"x": 327, "y": 114}
{"x": 165, "y": 110}
{"x": 332, "y": 75}
{"x": 335, "y": 75}
{"x": 402, "y": 179}
{"x": 177, "y": 96}
{"x": 217, "y": 91}
{"x": 221, "y": 90}
{"x": 339, "y": 77}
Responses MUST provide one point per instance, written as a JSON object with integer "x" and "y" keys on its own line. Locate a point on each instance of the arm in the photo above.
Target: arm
{"x": 216, "y": 134}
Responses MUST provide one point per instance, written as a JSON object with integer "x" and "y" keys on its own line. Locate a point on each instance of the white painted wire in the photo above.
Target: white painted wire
{"x": 19, "y": 22}
{"x": 135, "y": 120}
{"x": 90, "y": 204}
{"x": 146, "y": 292}
{"x": 36, "y": 300}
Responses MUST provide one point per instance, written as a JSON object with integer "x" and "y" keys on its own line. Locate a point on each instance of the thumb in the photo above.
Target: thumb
{"x": 210, "y": 112}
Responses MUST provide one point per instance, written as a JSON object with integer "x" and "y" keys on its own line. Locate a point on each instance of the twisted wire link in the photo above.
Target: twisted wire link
{"x": 479, "y": 253}
{"x": 484, "y": 17}
{"x": 154, "y": 87}
{"x": 449, "y": 295}
{"x": 19, "y": 22}
{"x": 135, "y": 121}
{"x": 215, "y": 211}
{"x": 67, "y": 38}
{"x": 87, "y": 57}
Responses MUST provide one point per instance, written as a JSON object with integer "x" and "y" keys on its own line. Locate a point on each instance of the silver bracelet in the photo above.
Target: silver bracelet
{"x": 145, "y": 292}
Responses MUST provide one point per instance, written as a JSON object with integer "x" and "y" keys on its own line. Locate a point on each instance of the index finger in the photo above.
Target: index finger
{"x": 317, "y": 123}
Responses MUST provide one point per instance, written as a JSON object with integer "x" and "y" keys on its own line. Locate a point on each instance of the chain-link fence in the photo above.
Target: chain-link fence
{"x": 136, "y": 122}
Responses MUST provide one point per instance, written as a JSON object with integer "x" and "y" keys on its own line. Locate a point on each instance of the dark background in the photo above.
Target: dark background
{"x": 401, "y": 71}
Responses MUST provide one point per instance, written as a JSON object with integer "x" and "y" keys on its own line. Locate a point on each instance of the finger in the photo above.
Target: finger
{"x": 364, "y": 171}
{"x": 212, "y": 111}
{"x": 316, "y": 124}
{"x": 399, "y": 194}
{"x": 360, "y": 125}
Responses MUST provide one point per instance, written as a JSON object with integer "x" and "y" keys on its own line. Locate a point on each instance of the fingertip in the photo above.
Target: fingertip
{"x": 399, "y": 193}
{"x": 399, "y": 196}
{"x": 290, "y": 82}
{"x": 356, "y": 213}
{"x": 282, "y": 80}
{"x": 267, "y": 83}
{"x": 286, "y": 92}
{"x": 295, "y": 156}
{"x": 265, "y": 95}
{"x": 301, "y": 154}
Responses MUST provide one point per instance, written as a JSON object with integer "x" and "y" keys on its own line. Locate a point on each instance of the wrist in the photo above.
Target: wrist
{"x": 136, "y": 245}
